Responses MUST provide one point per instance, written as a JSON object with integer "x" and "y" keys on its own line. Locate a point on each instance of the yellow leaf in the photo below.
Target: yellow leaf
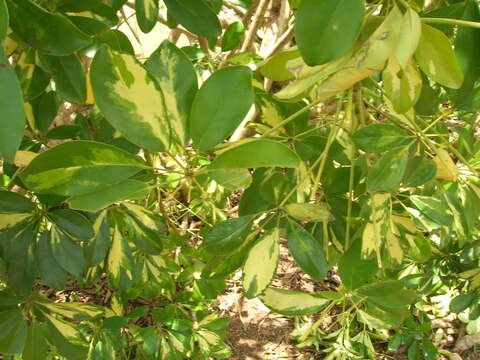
{"x": 406, "y": 223}
{"x": 23, "y": 158}
{"x": 29, "y": 114}
{"x": 10, "y": 220}
{"x": 90, "y": 99}
{"x": 446, "y": 168}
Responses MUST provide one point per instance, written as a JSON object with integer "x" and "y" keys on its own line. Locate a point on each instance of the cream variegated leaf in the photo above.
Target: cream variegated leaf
{"x": 176, "y": 76}
{"x": 411, "y": 30}
{"x": 130, "y": 99}
{"x": 393, "y": 246}
{"x": 261, "y": 264}
{"x": 308, "y": 212}
{"x": 376, "y": 229}
{"x": 402, "y": 86}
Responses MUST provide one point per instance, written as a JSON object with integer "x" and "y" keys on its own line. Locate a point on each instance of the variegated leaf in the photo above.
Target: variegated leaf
{"x": 261, "y": 264}
{"x": 130, "y": 99}
{"x": 402, "y": 86}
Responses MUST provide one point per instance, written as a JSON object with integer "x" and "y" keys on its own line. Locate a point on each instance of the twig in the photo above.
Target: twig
{"x": 256, "y": 21}
{"x": 239, "y": 11}
{"x": 282, "y": 41}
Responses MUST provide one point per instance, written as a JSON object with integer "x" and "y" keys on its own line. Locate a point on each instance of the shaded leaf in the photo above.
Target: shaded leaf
{"x": 33, "y": 24}
{"x": 147, "y": 14}
{"x": 69, "y": 76}
{"x": 256, "y": 153}
{"x": 97, "y": 200}
{"x": 72, "y": 223}
{"x": 220, "y": 106}
{"x": 307, "y": 251}
{"x": 327, "y": 29}
{"x": 381, "y": 137}
{"x": 228, "y": 235}
{"x": 196, "y": 16}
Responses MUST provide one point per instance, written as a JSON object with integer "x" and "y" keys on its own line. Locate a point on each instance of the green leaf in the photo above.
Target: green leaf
{"x": 307, "y": 251}
{"x": 413, "y": 352}
{"x": 289, "y": 302}
{"x": 468, "y": 56}
{"x": 275, "y": 68}
{"x": 419, "y": 171}
{"x": 51, "y": 272}
{"x": 387, "y": 173}
{"x": 21, "y": 267}
{"x": 130, "y": 99}
{"x": 12, "y": 121}
{"x": 97, "y": 200}
{"x": 176, "y": 76}
{"x": 433, "y": 210}
{"x": 196, "y": 16}
{"x": 256, "y": 153}
{"x": 45, "y": 110}
{"x": 4, "y": 19}
{"x": 69, "y": 76}
{"x": 233, "y": 36}
{"x": 402, "y": 86}
{"x": 14, "y": 333}
{"x": 52, "y": 34}
{"x": 72, "y": 223}
{"x": 436, "y": 58}
{"x": 79, "y": 167}
{"x": 220, "y": 106}
{"x": 381, "y": 137}
{"x": 308, "y": 212}
{"x": 462, "y": 302}
{"x": 430, "y": 351}
{"x": 36, "y": 347}
{"x": 116, "y": 40}
{"x": 67, "y": 253}
{"x": 14, "y": 203}
{"x": 388, "y": 294}
{"x": 327, "y": 29}
{"x": 353, "y": 269}
{"x": 252, "y": 202}
{"x": 261, "y": 264}
{"x": 63, "y": 132}
{"x": 227, "y": 235}
{"x": 76, "y": 6}
{"x": 147, "y": 14}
